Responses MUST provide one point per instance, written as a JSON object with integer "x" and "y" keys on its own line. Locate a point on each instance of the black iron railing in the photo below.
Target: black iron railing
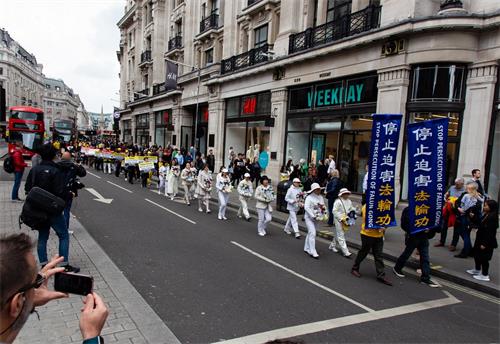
{"x": 251, "y": 2}
{"x": 447, "y": 4}
{"x": 159, "y": 88}
{"x": 175, "y": 43}
{"x": 351, "y": 24}
{"x": 146, "y": 56}
{"x": 210, "y": 22}
{"x": 249, "y": 58}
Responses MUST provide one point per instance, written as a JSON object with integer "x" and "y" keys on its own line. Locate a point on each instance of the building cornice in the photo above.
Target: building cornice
{"x": 127, "y": 17}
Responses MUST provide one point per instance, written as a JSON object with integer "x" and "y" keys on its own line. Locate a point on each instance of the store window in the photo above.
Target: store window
{"x": 163, "y": 127}
{"x": 127, "y": 131}
{"x": 142, "y": 129}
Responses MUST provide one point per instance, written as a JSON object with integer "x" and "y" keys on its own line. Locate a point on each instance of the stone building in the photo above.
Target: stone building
{"x": 59, "y": 102}
{"x": 299, "y": 79}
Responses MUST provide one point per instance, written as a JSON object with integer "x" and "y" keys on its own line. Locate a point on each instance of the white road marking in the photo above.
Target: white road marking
{"x": 331, "y": 291}
{"x": 95, "y": 175}
{"x": 170, "y": 211}
{"x": 319, "y": 326}
{"x": 118, "y": 186}
{"x": 99, "y": 196}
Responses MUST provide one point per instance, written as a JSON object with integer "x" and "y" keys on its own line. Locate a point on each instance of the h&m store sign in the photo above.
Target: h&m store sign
{"x": 334, "y": 94}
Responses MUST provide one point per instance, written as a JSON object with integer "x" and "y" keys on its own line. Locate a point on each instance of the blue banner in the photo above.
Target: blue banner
{"x": 380, "y": 200}
{"x": 426, "y": 173}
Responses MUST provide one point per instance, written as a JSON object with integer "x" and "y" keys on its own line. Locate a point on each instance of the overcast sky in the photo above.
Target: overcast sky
{"x": 75, "y": 40}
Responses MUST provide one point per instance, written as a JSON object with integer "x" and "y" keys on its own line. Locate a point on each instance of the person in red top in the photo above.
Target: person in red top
{"x": 19, "y": 166}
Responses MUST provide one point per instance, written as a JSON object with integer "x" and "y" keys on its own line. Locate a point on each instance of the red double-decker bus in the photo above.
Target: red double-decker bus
{"x": 25, "y": 124}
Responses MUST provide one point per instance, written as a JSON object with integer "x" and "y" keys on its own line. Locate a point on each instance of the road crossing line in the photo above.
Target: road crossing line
{"x": 325, "y": 325}
{"x": 118, "y": 186}
{"x": 319, "y": 285}
{"x": 95, "y": 175}
{"x": 170, "y": 211}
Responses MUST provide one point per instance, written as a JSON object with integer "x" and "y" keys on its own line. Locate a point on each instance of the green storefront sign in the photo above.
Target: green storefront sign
{"x": 335, "y": 96}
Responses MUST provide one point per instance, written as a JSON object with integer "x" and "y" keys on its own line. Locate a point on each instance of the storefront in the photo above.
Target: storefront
{"x": 142, "y": 136}
{"x": 492, "y": 175}
{"x": 333, "y": 118}
{"x": 247, "y": 124}
{"x": 163, "y": 127}
{"x": 438, "y": 91}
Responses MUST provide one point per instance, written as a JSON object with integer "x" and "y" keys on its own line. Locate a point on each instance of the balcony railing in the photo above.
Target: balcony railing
{"x": 249, "y": 58}
{"x": 210, "y": 22}
{"x": 175, "y": 43}
{"x": 251, "y": 2}
{"x": 351, "y": 24}
{"x": 146, "y": 56}
{"x": 447, "y": 4}
{"x": 159, "y": 88}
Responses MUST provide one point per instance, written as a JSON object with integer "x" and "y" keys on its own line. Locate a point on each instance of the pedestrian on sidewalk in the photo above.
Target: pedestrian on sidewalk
{"x": 19, "y": 166}
{"x": 469, "y": 216}
{"x": 486, "y": 241}
{"x": 295, "y": 199}
{"x": 187, "y": 177}
{"x": 315, "y": 210}
{"x": 342, "y": 211}
{"x": 173, "y": 179}
{"x": 449, "y": 216}
{"x": 371, "y": 240}
{"x": 264, "y": 194}
{"x": 419, "y": 241}
{"x": 50, "y": 177}
{"x": 245, "y": 192}
{"x": 332, "y": 192}
{"x": 255, "y": 171}
{"x": 203, "y": 188}
{"x": 163, "y": 172}
{"x": 224, "y": 188}
{"x": 476, "y": 177}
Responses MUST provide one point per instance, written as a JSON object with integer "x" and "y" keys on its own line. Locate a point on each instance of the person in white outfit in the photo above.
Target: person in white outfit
{"x": 315, "y": 209}
{"x": 341, "y": 209}
{"x": 162, "y": 176}
{"x": 264, "y": 194}
{"x": 203, "y": 188}
{"x": 294, "y": 203}
{"x": 331, "y": 165}
{"x": 173, "y": 179}
{"x": 187, "y": 177}
{"x": 245, "y": 191}
{"x": 223, "y": 186}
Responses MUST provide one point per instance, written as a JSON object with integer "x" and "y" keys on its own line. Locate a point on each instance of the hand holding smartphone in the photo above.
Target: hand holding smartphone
{"x": 73, "y": 283}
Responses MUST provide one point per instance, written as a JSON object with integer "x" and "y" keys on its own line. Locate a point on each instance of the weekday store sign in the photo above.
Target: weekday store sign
{"x": 336, "y": 95}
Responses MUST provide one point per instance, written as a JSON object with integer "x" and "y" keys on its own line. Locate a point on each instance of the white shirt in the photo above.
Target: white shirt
{"x": 291, "y": 198}
{"x": 365, "y": 182}
{"x": 312, "y": 200}
{"x": 331, "y": 166}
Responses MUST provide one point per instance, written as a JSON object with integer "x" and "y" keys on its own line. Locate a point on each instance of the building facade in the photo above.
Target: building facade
{"x": 59, "y": 102}
{"x": 299, "y": 79}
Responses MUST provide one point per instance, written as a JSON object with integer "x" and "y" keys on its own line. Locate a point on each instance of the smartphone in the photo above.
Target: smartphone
{"x": 73, "y": 283}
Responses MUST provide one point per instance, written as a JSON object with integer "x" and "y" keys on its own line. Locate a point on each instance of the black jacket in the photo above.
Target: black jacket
{"x": 405, "y": 225}
{"x": 50, "y": 177}
{"x": 72, "y": 171}
{"x": 486, "y": 233}
{"x": 333, "y": 188}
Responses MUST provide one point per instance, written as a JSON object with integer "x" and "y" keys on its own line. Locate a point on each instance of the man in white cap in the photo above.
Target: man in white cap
{"x": 245, "y": 191}
{"x": 341, "y": 209}
{"x": 315, "y": 212}
{"x": 294, "y": 203}
{"x": 223, "y": 186}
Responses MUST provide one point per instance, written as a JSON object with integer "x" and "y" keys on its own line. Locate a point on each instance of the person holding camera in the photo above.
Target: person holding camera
{"x": 50, "y": 177}
{"x": 23, "y": 288}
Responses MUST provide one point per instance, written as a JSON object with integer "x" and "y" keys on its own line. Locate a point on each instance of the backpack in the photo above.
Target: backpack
{"x": 33, "y": 217}
{"x": 8, "y": 164}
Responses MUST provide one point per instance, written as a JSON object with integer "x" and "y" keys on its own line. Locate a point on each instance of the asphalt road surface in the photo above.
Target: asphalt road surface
{"x": 212, "y": 280}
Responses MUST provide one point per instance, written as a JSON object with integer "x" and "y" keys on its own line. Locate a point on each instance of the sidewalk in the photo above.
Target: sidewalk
{"x": 131, "y": 319}
{"x": 443, "y": 262}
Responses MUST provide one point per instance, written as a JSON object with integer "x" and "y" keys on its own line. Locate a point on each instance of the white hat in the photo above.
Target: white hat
{"x": 314, "y": 186}
{"x": 296, "y": 180}
{"x": 246, "y": 175}
{"x": 344, "y": 191}
{"x": 224, "y": 170}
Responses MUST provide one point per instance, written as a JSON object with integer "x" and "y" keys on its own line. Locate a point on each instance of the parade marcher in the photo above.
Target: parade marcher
{"x": 486, "y": 241}
{"x": 130, "y": 172}
{"x": 419, "y": 241}
{"x": 19, "y": 166}
{"x": 173, "y": 179}
{"x": 163, "y": 172}
{"x": 107, "y": 165}
{"x": 295, "y": 199}
{"x": 264, "y": 194}
{"x": 315, "y": 210}
{"x": 468, "y": 207}
{"x": 144, "y": 176}
{"x": 342, "y": 212}
{"x": 371, "y": 240}
{"x": 118, "y": 166}
{"x": 245, "y": 191}
{"x": 203, "y": 188}
{"x": 187, "y": 177}
{"x": 332, "y": 193}
{"x": 224, "y": 187}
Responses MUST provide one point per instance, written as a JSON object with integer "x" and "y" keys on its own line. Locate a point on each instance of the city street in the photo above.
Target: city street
{"x": 211, "y": 280}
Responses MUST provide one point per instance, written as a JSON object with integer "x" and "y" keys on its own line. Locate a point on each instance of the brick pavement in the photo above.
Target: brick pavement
{"x": 131, "y": 319}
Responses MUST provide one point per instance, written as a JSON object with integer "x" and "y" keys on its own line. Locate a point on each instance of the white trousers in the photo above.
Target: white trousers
{"x": 202, "y": 200}
{"x": 162, "y": 185}
{"x": 340, "y": 238}
{"x": 310, "y": 242}
{"x": 243, "y": 207}
{"x": 107, "y": 167}
{"x": 292, "y": 221}
{"x": 187, "y": 193}
{"x": 264, "y": 218}
{"x": 223, "y": 198}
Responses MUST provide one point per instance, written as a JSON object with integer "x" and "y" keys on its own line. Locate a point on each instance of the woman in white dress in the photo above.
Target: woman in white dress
{"x": 224, "y": 187}
{"x": 203, "y": 188}
{"x": 163, "y": 177}
{"x": 264, "y": 194}
{"x": 187, "y": 177}
{"x": 341, "y": 209}
{"x": 173, "y": 179}
{"x": 315, "y": 209}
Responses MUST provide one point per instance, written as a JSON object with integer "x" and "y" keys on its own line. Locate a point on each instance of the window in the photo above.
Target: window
{"x": 1, "y": 71}
{"x": 438, "y": 83}
{"x": 203, "y": 10}
{"x": 58, "y": 88}
{"x": 260, "y": 36}
{"x": 209, "y": 56}
{"x": 337, "y": 9}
